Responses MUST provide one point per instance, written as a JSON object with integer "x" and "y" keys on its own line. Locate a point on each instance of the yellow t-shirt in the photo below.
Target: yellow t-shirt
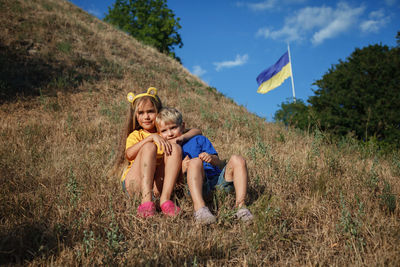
{"x": 135, "y": 137}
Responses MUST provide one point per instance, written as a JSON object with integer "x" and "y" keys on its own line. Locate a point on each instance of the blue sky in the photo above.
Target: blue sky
{"x": 228, "y": 43}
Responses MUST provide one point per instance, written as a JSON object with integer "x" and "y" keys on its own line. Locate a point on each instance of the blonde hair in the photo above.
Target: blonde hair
{"x": 131, "y": 124}
{"x": 171, "y": 115}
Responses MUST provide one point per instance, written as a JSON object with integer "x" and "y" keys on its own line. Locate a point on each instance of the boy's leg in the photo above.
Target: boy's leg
{"x": 195, "y": 177}
{"x": 172, "y": 170}
{"x": 236, "y": 171}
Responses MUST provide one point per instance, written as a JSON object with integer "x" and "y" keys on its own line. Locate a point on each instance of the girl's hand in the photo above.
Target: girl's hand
{"x": 164, "y": 144}
{"x": 205, "y": 157}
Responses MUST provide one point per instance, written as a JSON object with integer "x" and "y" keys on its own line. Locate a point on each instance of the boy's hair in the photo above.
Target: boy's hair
{"x": 171, "y": 115}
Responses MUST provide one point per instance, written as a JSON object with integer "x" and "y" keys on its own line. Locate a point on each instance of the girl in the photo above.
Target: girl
{"x": 154, "y": 163}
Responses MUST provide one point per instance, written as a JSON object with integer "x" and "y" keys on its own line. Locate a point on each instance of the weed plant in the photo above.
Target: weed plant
{"x": 316, "y": 202}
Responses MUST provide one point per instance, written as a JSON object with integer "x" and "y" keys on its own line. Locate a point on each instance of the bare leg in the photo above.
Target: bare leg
{"x": 172, "y": 170}
{"x": 141, "y": 175}
{"x": 236, "y": 171}
{"x": 195, "y": 177}
{"x": 159, "y": 180}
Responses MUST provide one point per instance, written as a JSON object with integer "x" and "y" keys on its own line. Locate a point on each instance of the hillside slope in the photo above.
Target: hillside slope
{"x": 64, "y": 76}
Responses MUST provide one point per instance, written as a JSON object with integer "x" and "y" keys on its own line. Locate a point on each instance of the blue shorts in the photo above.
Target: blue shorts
{"x": 209, "y": 184}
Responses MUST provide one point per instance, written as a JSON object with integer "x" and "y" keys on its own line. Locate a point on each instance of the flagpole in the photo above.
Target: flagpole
{"x": 291, "y": 74}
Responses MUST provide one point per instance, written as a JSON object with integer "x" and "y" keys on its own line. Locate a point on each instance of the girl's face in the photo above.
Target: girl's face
{"x": 146, "y": 115}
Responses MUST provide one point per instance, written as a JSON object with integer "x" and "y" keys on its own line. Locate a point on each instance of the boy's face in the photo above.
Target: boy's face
{"x": 170, "y": 130}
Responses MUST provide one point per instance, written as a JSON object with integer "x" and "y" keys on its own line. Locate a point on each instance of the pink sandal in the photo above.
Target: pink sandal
{"x": 170, "y": 209}
{"x": 146, "y": 209}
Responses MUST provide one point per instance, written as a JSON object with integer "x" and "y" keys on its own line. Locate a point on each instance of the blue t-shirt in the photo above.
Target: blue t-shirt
{"x": 199, "y": 144}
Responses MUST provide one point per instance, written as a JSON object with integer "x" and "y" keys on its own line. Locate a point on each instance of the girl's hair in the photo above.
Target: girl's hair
{"x": 130, "y": 125}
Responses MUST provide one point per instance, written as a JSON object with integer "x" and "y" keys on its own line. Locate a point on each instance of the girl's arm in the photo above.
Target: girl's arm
{"x": 132, "y": 151}
{"x": 187, "y": 135}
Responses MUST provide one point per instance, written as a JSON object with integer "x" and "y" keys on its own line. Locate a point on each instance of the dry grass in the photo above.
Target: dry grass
{"x": 64, "y": 80}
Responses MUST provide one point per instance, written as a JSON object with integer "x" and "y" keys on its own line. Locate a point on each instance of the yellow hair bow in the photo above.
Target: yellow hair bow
{"x": 152, "y": 92}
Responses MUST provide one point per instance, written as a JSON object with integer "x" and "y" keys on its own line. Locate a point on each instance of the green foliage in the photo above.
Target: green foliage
{"x": 114, "y": 112}
{"x": 294, "y": 114}
{"x": 64, "y": 47}
{"x": 114, "y": 236}
{"x": 88, "y": 241}
{"x": 150, "y": 21}
{"x": 258, "y": 151}
{"x": 358, "y": 97}
{"x": 351, "y": 224}
{"x": 73, "y": 188}
{"x": 361, "y": 95}
{"x": 388, "y": 199}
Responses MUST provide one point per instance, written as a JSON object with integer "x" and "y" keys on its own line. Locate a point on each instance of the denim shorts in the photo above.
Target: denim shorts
{"x": 221, "y": 184}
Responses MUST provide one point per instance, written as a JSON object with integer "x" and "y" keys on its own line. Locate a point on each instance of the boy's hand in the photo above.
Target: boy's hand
{"x": 179, "y": 140}
{"x": 205, "y": 157}
{"x": 185, "y": 164}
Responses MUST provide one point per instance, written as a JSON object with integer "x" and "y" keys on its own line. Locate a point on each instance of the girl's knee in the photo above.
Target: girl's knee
{"x": 149, "y": 148}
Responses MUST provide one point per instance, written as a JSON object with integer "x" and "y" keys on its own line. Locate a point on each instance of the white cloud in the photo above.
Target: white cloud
{"x": 239, "y": 60}
{"x": 376, "y": 20}
{"x": 287, "y": 33}
{"x": 342, "y": 19}
{"x": 390, "y": 2}
{"x": 198, "y": 71}
{"x": 295, "y": 1}
{"x": 95, "y": 12}
{"x": 320, "y": 22}
{"x": 268, "y": 4}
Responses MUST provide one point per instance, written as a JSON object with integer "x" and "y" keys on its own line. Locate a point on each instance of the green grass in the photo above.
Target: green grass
{"x": 317, "y": 201}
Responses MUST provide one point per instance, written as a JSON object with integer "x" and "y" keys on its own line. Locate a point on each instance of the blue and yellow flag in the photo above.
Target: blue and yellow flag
{"x": 274, "y": 75}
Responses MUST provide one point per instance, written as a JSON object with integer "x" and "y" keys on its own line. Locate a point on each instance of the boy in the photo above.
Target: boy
{"x": 202, "y": 165}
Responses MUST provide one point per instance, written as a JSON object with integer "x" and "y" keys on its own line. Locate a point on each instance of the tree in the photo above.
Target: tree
{"x": 294, "y": 114}
{"x": 362, "y": 95}
{"x": 150, "y": 21}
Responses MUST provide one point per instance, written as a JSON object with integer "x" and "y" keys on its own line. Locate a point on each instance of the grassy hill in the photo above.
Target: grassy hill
{"x": 64, "y": 76}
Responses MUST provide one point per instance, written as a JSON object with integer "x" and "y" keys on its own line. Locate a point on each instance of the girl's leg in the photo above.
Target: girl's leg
{"x": 236, "y": 171}
{"x": 141, "y": 175}
{"x": 195, "y": 177}
{"x": 159, "y": 180}
{"x": 172, "y": 168}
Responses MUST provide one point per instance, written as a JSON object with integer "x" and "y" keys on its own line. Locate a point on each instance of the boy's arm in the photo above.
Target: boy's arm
{"x": 212, "y": 159}
{"x": 188, "y": 135}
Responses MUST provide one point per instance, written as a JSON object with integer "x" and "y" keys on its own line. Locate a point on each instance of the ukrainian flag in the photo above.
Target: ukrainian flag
{"x": 275, "y": 75}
